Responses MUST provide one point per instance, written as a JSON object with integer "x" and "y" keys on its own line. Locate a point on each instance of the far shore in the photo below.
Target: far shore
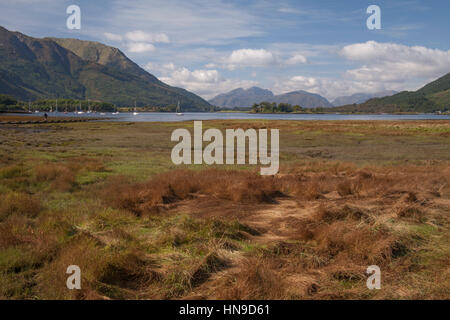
{"x": 248, "y": 112}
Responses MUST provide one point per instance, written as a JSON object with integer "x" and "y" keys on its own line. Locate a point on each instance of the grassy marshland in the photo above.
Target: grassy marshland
{"x": 106, "y": 197}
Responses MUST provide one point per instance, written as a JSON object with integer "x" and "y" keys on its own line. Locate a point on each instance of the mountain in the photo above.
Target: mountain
{"x": 32, "y": 68}
{"x": 246, "y": 98}
{"x": 361, "y": 97}
{"x": 242, "y": 97}
{"x": 433, "y": 97}
{"x": 303, "y": 99}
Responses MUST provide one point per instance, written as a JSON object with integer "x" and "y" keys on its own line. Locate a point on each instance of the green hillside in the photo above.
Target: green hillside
{"x": 433, "y": 97}
{"x": 441, "y": 84}
{"x": 51, "y": 68}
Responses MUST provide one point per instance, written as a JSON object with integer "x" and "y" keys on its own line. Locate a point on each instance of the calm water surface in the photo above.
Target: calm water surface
{"x": 163, "y": 117}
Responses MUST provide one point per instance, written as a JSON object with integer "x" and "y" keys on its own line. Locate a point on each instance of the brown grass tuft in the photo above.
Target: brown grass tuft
{"x": 61, "y": 177}
{"x": 141, "y": 198}
{"x": 256, "y": 280}
{"x": 19, "y": 203}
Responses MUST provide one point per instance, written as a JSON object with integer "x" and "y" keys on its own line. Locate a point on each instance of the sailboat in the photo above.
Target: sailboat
{"x": 115, "y": 110}
{"x": 178, "y": 111}
{"x": 89, "y": 106}
{"x": 135, "y": 113}
{"x": 81, "y": 110}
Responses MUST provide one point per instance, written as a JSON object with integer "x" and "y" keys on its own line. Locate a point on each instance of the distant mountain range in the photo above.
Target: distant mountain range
{"x": 50, "y": 68}
{"x": 245, "y": 98}
{"x": 433, "y": 97}
{"x": 361, "y": 97}
{"x": 303, "y": 99}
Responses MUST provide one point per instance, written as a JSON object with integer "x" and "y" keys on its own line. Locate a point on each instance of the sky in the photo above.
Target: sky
{"x": 212, "y": 46}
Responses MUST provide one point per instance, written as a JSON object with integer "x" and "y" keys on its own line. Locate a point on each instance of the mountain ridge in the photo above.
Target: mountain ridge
{"x": 45, "y": 68}
{"x": 433, "y": 97}
{"x": 247, "y": 97}
{"x": 360, "y": 97}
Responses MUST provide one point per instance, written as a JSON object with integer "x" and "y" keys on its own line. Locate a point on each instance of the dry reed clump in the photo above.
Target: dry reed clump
{"x": 14, "y": 231}
{"x": 82, "y": 251}
{"x": 351, "y": 243}
{"x": 180, "y": 279}
{"x": 251, "y": 188}
{"x": 128, "y": 271}
{"x": 12, "y": 171}
{"x": 302, "y": 187}
{"x": 61, "y": 177}
{"x": 349, "y": 187}
{"x": 330, "y": 214}
{"x": 19, "y": 203}
{"x": 257, "y": 280}
{"x": 347, "y": 234}
{"x": 166, "y": 188}
{"x": 312, "y": 180}
{"x": 84, "y": 163}
{"x": 410, "y": 211}
{"x": 313, "y": 184}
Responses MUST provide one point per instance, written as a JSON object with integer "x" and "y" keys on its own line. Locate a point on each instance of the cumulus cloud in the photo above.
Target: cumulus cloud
{"x": 244, "y": 58}
{"x": 141, "y": 36}
{"x": 296, "y": 59}
{"x": 383, "y": 66}
{"x": 138, "y": 41}
{"x": 330, "y": 88}
{"x": 204, "y": 82}
{"x": 392, "y": 62}
{"x": 113, "y": 36}
{"x": 250, "y": 58}
{"x": 196, "y": 76}
{"x": 140, "y": 47}
{"x": 162, "y": 69}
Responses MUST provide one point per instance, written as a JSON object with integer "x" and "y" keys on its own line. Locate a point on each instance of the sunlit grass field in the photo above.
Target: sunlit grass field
{"x": 106, "y": 196}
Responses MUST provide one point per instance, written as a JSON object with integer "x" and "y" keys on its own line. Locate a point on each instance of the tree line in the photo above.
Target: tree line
{"x": 282, "y": 107}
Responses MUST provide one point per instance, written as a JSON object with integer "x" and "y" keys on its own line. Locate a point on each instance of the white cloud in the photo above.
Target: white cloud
{"x": 296, "y": 59}
{"x": 392, "y": 62}
{"x": 384, "y": 66}
{"x": 245, "y": 58}
{"x": 162, "y": 69}
{"x": 211, "y": 65}
{"x": 330, "y": 88}
{"x": 250, "y": 58}
{"x": 138, "y": 40}
{"x": 113, "y": 36}
{"x": 140, "y": 47}
{"x": 141, "y": 36}
{"x": 206, "y": 83}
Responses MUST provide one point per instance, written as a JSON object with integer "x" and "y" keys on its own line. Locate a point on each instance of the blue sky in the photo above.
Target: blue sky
{"x": 213, "y": 46}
